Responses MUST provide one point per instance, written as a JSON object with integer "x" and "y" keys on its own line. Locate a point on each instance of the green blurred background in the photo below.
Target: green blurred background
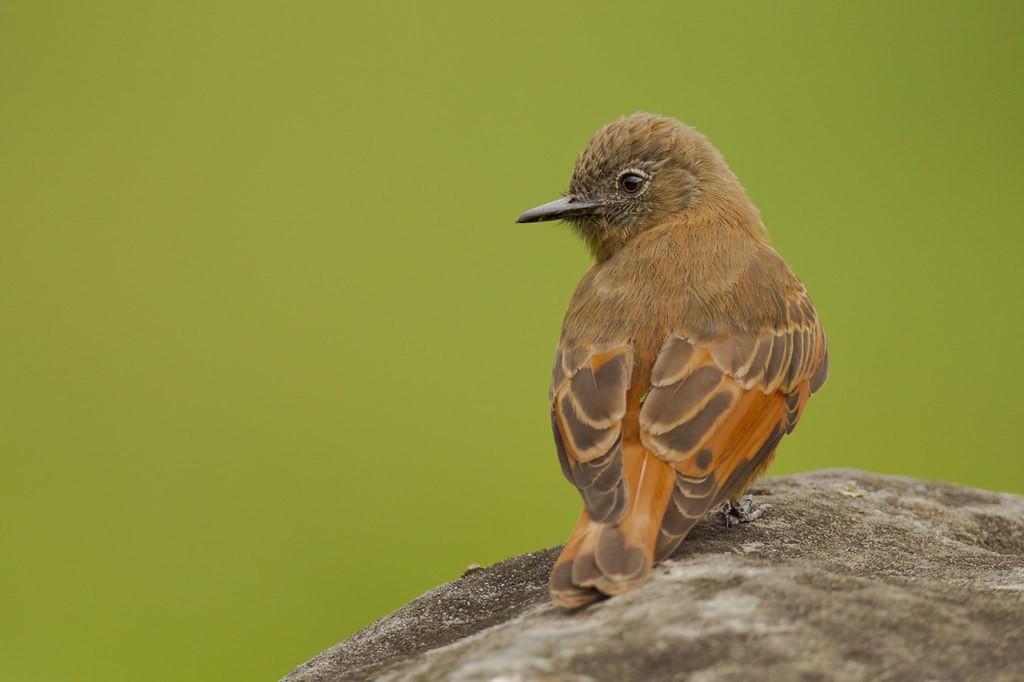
{"x": 274, "y": 357}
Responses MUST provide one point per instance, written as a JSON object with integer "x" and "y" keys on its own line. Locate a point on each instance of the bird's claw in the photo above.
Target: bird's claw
{"x": 743, "y": 513}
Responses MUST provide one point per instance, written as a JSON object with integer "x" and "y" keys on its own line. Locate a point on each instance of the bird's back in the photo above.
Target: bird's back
{"x": 704, "y": 400}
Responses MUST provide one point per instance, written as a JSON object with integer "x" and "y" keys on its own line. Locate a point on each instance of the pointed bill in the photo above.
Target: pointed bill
{"x": 566, "y": 207}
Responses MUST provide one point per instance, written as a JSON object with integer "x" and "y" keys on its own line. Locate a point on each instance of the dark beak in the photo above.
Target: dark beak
{"x": 565, "y": 207}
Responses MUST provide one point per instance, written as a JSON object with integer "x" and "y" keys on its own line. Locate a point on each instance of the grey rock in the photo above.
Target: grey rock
{"x": 850, "y": 576}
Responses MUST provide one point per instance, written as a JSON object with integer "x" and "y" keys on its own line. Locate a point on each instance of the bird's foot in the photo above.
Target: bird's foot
{"x": 743, "y": 513}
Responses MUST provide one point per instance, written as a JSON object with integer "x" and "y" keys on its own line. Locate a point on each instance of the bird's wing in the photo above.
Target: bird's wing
{"x": 588, "y": 403}
{"x": 717, "y": 409}
{"x": 625, "y": 490}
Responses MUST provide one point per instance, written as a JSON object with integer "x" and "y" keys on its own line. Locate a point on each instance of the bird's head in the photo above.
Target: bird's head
{"x": 639, "y": 172}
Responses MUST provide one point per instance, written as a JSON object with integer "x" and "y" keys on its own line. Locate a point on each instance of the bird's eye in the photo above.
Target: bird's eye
{"x": 632, "y": 182}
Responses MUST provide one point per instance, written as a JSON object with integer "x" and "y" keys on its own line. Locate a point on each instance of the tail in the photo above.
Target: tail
{"x": 614, "y": 558}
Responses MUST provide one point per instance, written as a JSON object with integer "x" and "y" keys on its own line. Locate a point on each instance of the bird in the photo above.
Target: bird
{"x": 688, "y": 350}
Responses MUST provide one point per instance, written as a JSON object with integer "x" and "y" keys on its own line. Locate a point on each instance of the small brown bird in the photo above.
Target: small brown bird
{"x": 688, "y": 351}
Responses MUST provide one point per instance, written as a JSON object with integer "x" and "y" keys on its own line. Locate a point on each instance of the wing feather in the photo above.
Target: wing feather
{"x": 588, "y": 392}
{"x": 718, "y": 409}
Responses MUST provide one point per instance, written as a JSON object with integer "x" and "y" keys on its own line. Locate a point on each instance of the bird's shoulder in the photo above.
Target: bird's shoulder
{"x": 759, "y": 294}
{"x": 664, "y": 282}
{"x": 748, "y": 310}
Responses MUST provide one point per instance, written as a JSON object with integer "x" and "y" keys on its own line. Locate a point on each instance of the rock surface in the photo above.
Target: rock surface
{"x": 850, "y": 576}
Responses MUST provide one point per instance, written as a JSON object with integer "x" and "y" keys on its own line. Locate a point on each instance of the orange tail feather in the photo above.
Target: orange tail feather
{"x": 608, "y": 559}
